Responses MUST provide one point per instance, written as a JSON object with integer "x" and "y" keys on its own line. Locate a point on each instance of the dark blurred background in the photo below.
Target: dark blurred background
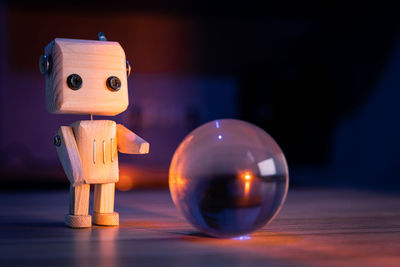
{"x": 323, "y": 79}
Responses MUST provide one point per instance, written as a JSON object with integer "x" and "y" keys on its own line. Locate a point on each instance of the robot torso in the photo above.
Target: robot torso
{"x": 97, "y": 145}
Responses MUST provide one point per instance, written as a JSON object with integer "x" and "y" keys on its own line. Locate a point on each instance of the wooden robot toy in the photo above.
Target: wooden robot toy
{"x": 90, "y": 77}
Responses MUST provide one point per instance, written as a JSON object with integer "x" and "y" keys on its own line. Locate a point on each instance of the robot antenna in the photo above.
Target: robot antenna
{"x": 101, "y": 36}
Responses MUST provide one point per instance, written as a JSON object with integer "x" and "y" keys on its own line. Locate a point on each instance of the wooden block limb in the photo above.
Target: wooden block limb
{"x": 103, "y": 207}
{"x": 104, "y": 198}
{"x": 78, "y": 216}
{"x": 129, "y": 142}
{"x": 79, "y": 199}
{"x": 68, "y": 154}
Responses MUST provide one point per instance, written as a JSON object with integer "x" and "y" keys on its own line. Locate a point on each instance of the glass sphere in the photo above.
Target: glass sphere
{"x": 228, "y": 178}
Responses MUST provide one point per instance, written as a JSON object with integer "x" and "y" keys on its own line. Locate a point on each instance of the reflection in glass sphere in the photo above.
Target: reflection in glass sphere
{"x": 228, "y": 178}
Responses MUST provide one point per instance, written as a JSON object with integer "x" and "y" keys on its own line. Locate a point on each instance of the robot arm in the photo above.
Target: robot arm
{"x": 68, "y": 153}
{"x": 129, "y": 142}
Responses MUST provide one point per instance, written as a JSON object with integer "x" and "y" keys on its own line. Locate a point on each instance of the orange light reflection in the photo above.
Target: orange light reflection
{"x": 246, "y": 188}
{"x": 247, "y": 176}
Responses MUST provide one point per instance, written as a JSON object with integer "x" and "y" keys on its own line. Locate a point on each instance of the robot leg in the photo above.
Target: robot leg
{"x": 103, "y": 207}
{"x": 78, "y": 216}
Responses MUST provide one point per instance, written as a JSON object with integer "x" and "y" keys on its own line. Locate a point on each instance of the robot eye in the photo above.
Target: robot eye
{"x": 74, "y": 81}
{"x": 113, "y": 83}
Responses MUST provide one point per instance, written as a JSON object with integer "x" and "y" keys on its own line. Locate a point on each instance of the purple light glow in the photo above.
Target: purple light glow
{"x": 243, "y": 237}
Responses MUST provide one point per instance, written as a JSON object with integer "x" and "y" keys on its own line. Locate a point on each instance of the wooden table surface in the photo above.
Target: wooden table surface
{"x": 315, "y": 228}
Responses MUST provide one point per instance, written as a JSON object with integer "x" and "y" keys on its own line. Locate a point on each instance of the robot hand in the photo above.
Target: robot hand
{"x": 129, "y": 142}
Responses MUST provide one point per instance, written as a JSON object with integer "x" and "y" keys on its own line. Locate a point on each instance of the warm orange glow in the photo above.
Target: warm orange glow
{"x": 134, "y": 177}
{"x": 247, "y": 188}
{"x": 247, "y": 177}
{"x": 179, "y": 183}
{"x": 125, "y": 183}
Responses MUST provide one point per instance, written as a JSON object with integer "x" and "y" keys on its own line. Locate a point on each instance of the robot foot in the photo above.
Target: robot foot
{"x": 106, "y": 219}
{"x": 78, "y": 221}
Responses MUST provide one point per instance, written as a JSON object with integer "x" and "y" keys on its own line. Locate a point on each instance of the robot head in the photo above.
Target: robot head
{"x": 85, "y": 77}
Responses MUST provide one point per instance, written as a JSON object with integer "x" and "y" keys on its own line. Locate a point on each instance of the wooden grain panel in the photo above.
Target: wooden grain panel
{"x": 104, "y": 198}
{"x": 79, "y": 199}
{"x": 95, "y": 62}
{"x": 316, "y": 227}
{"x": 96, "y": 141}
